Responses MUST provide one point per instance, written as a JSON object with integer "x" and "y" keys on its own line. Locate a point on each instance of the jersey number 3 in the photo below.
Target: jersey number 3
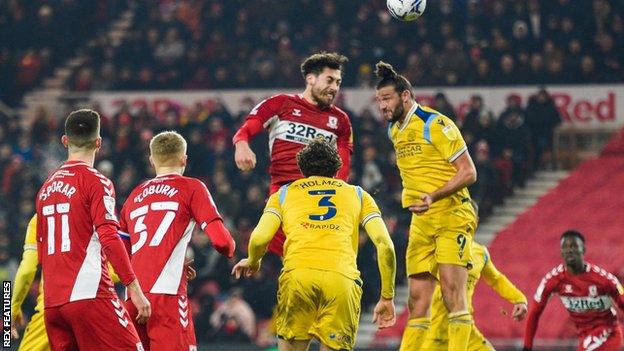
{"x": 325, "y": 201}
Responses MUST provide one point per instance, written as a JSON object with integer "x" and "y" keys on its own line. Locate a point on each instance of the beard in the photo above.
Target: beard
{"x": 321, "y": 99}
{"x": 397, "y": 113}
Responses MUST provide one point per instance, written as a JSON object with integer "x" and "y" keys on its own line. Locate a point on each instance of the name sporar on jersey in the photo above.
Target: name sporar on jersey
{"x": 57, "y": 187}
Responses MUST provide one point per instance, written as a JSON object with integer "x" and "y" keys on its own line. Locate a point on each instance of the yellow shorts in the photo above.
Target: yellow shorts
{"x": 477, "y": 342}
{"x": 35, "y": 337}
{"x": 440, "y": 238}
{"x": 318, "y": 304}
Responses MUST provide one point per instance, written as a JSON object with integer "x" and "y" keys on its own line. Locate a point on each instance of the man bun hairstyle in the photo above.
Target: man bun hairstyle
{"x": 319, "y": 158}
{"x": 82, "y": 128}
{"x": 316, "y": 63}
{"x": 389, "y": 77}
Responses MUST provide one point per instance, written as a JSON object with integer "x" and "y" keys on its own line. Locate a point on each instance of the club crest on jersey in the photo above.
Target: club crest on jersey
{"x": 567, "y": 289}
{"x": 296, "y": 112}
{"x": 332, "y": 122}
{"x": 593, "y": 291}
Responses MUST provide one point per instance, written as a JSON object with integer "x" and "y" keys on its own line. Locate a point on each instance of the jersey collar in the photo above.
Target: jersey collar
{"x": 72, "y": 163}
{"x": 410, "y": 113}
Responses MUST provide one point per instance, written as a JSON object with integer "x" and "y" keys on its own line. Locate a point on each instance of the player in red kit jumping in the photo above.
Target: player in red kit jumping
{"x": 292, "y": 121}
{"x": 78, "y": 232}
{"x": 160, "y": 215}
{"x": 588, "y": 292}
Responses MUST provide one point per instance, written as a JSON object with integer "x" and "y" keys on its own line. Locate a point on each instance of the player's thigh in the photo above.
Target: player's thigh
{"x": 453, "y": 243}
{"x": 102, "y": 324}
{"x": 35, "y": 337}
{"x": 478, "y": 342}
{"x": 297, "y": 304}
{"x": 169, "y": 326}
{"x": 339, "y": 315}
{"x": 420, "y": 253}
{"x": 60, "y": 333}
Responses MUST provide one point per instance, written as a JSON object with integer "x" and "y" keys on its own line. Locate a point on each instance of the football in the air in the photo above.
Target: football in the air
{"x": 406, "y": 10}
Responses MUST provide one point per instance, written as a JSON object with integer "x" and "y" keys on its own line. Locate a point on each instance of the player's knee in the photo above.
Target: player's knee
{"x": 454, "y": 298}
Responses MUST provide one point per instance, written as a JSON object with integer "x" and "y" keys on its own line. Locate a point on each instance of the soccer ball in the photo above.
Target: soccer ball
{"x": 406, "y": 10}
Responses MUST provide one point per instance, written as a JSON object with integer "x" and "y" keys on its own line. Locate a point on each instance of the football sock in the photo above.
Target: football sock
{"x": 414, "y": 333}
{"x": 460, "y": 325}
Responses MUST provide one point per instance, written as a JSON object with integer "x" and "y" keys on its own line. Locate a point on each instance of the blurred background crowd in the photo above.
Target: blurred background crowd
{"x": 203, "y": 44}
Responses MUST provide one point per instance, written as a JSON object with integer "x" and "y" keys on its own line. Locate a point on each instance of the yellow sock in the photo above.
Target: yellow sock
{"x": 460, "y": 325}
{"x": 414, "y": 333}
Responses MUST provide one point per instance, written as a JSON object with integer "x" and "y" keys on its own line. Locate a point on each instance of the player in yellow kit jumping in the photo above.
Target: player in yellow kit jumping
{"x": 320, "y": 287}
{"x": 435, "y": 169}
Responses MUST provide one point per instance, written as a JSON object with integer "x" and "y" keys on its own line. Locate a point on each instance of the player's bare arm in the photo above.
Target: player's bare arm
{"x": 465, "y": 176}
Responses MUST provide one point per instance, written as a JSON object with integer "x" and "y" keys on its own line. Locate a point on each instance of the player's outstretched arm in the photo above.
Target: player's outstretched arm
{"x": 505, "y": 289}
{"x": 384, "y": 314}
{"x": 260, "y": 238}
{"x": 25, "y": 275}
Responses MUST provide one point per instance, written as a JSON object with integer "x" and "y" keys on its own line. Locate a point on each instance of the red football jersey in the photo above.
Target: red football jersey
{"x": 292, "y": 123}
{"x": 160, "y": 215}
{"x": 590, "y": 298}
{"x": 76, "y": 220}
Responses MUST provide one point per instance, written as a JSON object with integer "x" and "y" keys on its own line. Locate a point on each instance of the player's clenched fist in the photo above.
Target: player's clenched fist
{"x": 243, "y": 156}
{"x": 519, "y": 311}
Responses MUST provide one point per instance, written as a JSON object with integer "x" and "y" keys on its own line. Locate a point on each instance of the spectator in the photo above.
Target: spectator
{"x": 515, "y": 138}
{"x": 442, "y": 105}
{"x": 234, "y": 320}
{"x": 542, "y": 119}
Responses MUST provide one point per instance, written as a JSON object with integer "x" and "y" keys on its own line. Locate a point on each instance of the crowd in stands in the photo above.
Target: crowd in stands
{"x": 38, "y": 35}
{"x": 502, "y": 146}
{"x": 208, "y": 44}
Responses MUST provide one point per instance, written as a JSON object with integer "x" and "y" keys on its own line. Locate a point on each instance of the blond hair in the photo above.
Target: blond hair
{"x": 167, "y": 148}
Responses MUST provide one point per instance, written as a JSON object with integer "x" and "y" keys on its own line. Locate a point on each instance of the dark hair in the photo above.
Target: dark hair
{"x": 82, "y": 128}
{"x": 316, "y": 63}
{"x": 319, "y": 158}
{"x": 573, "y": 234}
{"x": 389, "y": 77}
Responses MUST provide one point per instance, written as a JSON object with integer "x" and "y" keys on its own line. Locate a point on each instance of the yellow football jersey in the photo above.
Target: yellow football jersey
{"x": 27, "y": 270}
{"x": 320, "y": 218}
{"x": 426, "y": 144}
{"x": 482, "y": 266}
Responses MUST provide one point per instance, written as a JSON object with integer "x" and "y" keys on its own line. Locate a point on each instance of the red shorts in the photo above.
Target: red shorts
{"x": 93, "y": 324}
{"x": 601, "y": 339}
{"x": 171, "y": 325}
{"x": 276, "y": 245}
